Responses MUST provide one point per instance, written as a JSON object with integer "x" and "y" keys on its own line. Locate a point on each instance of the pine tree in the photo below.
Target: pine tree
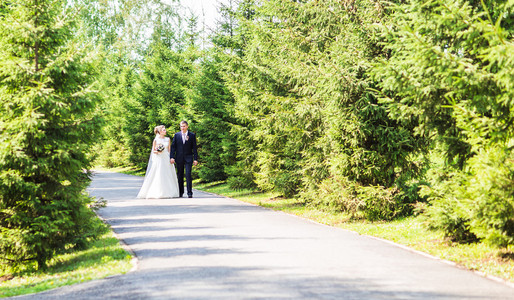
{"x": 47, "y": 125}
{"x": 144, "y": 79}
{"x": 211, "y": 106}
{"x": 447, "y": 73}
{"x": 312, "y": 126}
{"x": 158, "y": 98}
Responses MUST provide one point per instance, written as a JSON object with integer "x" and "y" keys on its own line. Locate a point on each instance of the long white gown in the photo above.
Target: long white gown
{"x": 160, "y": 178}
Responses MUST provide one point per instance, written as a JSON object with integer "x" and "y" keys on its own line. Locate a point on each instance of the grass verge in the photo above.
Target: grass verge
{"x": 124, "y": 170}
{"x": 409, "y": 231}
{"x": 102, "y": 258}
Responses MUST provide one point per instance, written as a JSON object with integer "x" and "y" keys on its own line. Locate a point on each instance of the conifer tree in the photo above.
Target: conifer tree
{"x": 47, "y": 124}
{"x": 447, "y": 73}
{"x": 158, "y": 98}
{"x": 144, "y": 78}
{"x": 231, "y": 40}
{"x": 211, "y": 105}
{"x": 311, "y": 124}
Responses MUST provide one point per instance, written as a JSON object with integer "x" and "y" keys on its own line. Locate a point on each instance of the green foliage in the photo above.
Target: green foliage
{"x": 230, "y": 41}
{"x": 447, "y": 73}
{"x": 144, "y": 80}
{"x": 444, "y": 213}
{"x": 47, "y": 125}
{"x": 488, "y": 195}
{"x": 211, "y": 108}
{"x": 242, "y": 173}
{"x": 117, "y": 85}
{"x": 304, "y": 101}
{"x": 100, "y": 258}
{"x": 158, "y": 98}
{"x": 341, "y": 104}
{"x": 476, "y": 203}
{"x": 369, "y": 202}
{"x": 230, "y": 36}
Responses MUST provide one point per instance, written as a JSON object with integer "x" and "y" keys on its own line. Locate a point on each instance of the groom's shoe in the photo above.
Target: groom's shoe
{"x": 190, "y": 196}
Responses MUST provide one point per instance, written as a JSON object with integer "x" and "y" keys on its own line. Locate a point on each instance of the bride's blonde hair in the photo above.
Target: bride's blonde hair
{"x": 157, "y": 129}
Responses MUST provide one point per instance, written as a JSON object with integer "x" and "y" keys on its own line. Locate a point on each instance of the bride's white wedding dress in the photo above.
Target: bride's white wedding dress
{"x": 160, "y": 178}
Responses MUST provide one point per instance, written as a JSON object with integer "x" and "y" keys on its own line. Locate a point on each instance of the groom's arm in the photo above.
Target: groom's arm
{"x": 194, "y": 148}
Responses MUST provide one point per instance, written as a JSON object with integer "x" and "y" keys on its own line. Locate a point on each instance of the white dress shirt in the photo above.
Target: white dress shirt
{"x": 184, "y": 137}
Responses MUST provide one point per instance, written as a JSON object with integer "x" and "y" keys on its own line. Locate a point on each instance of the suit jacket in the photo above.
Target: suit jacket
{"x": 184, "y": 152}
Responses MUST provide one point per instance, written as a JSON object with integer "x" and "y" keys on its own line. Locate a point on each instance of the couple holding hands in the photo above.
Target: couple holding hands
{"x": 161, "y": 179}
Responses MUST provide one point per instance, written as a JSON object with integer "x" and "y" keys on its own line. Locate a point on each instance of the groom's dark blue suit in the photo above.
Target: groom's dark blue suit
{"x": 184, "y": 154}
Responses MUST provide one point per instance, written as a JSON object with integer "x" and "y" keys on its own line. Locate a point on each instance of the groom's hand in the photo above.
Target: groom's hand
{"x": 195, "y": 163}
{"x": 172, "y": 160}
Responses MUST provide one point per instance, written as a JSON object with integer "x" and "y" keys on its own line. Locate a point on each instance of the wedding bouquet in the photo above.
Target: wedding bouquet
{"x": 159, "y": 148}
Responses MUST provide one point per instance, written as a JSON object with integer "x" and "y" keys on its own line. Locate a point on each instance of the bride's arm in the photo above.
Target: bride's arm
{"x": 169, "y": 145}
{"x": 154, "y": 145}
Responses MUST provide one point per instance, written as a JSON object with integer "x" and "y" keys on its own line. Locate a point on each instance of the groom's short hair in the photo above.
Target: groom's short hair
{"x": 184, "y": 122}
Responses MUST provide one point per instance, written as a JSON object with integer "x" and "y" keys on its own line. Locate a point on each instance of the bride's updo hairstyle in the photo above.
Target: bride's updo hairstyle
{"x": 157, "y": 129}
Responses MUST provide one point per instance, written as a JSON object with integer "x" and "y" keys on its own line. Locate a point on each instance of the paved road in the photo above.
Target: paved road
{"x": 211, "y": 247}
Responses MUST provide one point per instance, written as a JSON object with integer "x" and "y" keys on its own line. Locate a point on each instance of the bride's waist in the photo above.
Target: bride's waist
{"x": 162, "y": 152}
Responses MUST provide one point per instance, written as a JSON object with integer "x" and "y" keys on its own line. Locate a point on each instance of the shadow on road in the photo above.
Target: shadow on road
{"x": 211, "y": 247}
{"x": 231, "y": 283}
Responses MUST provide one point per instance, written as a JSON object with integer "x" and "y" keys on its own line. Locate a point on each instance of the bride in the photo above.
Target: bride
{"x": 161, "y": 178}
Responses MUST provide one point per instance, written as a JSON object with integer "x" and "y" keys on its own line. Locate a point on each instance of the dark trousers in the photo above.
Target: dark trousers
{"x": 189, "y": 180}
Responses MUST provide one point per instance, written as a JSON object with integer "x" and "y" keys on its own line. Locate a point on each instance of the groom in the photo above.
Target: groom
{"x": 183, "y": 152}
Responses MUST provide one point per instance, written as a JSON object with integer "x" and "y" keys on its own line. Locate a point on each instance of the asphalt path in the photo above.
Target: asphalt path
{"x": 213, "y": 247}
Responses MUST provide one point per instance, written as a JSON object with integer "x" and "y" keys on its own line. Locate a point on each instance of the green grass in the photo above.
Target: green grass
{"x": 103, "y": 257}
{"x": 124, "y": 170}
{"x": 411, "y": 232}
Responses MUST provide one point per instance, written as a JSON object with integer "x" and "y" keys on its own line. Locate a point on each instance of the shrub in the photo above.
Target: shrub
{"x": 487, "y": 196}
{"x": 369, "y": 202}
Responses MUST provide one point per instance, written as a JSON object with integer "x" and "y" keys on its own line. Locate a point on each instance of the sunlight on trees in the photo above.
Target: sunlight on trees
{"x": 366, "y": 107}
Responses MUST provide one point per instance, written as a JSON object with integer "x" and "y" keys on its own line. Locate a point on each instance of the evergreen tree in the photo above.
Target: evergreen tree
{"x": 47, "y": 126}
{"x": 121, "y": 29}
{"x": 230, "y": 34}
{"x": 311, "y": 124}
{"x": 117, "y": 85}
{"x": 447, "y": 73}
{"x": 211, "y": 105}
{"x": 159, "y": 97}
{"x": 231, "y": 40}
